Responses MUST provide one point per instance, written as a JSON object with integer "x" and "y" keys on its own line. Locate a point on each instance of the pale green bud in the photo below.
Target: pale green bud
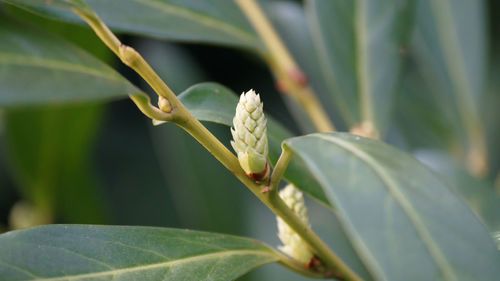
{"x": 249, "y": 136}
{"x": 293, "y": 245}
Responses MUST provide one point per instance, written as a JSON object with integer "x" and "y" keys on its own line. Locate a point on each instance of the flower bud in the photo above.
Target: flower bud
{"x": 293, "y": 245}
{"x": 249, "y": 136}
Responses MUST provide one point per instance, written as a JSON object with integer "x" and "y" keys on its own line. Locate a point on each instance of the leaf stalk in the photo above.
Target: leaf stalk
{"x": 280, "y": 168}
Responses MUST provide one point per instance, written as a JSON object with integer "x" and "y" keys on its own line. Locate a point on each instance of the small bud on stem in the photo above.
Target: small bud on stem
{"x": 164, "y": 104}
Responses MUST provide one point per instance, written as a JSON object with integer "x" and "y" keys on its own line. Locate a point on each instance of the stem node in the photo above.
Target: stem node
{"x": 298, "y": 77}
{"x": 265, "y": 189}
{"x": 280, "y": 168}
{"x": 128, "y": 55}
{"x": 144, "y": 104}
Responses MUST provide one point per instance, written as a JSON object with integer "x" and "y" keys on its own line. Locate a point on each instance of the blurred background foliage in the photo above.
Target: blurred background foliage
{"x": 105, "y": 163}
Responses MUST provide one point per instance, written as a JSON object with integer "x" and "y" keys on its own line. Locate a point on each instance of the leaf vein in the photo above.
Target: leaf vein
{"x": 159, "y": 265}
{"x": 19, "y": 269}
{"x": 200, "y": 243}
{"x": 23, "y": 60}
{"x": 366, "y": 255}
{"x": 139, "y": 249}
{"x": 393, "y": 189}
{"x": 214, "y": 266}
{"x": 82, "y": 256}
{"x": 165, "y": 276}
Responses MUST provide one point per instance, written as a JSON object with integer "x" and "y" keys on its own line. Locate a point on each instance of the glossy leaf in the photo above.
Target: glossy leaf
{"x": 215, "y": 103}
{"x": 419, "y": 118}
{"x": 391, "y": 205}
{"x": 37, "y": 68}
{"x": 126, "y": 253}
{"x": 57, "y": 4}
{"x": 215, "y": 22}
{"x": 79, "y": 35}
{"x": 359, "y": 44}
{"x": 450, "y": 44}
{"x": 210, "y": 102}
{"x": 479, "y": 194}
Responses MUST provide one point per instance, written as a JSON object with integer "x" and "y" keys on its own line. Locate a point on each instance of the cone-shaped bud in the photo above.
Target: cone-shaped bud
{"x": 293, "y": 245}
{"x": 249, "y": 136}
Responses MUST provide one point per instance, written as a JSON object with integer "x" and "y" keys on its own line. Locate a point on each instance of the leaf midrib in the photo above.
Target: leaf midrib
{"x": 203, "y": 19}
{"x": 23, "y": 60}
{"x": 162, "y": 264}
{"x": 399, "y": 197}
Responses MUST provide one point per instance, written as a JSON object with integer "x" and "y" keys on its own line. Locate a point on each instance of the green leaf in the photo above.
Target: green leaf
{"x": 37, "y": 68}
{"x": 450, "y": 45}
{"x": 419, "y": 118}
{"x": 42, "y": 3}
{"x": 479, "y": 194}
{"x": 210, "y": 102}
{"x": 391, "y": 205}
{"x": 79, "y": 35}
{"x": 359, "y": 44}
{"x": 72, "y": 252}
{"x": 335, "y": 236}
{"x": 49, "y": 150}
{"x": 215, "y": 22}
{"x": 215, "y": 103}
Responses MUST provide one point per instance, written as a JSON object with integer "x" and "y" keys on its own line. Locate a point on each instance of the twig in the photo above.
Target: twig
{"x": 290, "y": 77}
{"x": 181, "y": 116}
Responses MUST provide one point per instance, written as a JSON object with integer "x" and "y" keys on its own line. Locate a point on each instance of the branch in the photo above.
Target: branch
{"x": 290, "y": 77}
{"x": 130, "y": 57}
{"x": 180, "y": 115}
